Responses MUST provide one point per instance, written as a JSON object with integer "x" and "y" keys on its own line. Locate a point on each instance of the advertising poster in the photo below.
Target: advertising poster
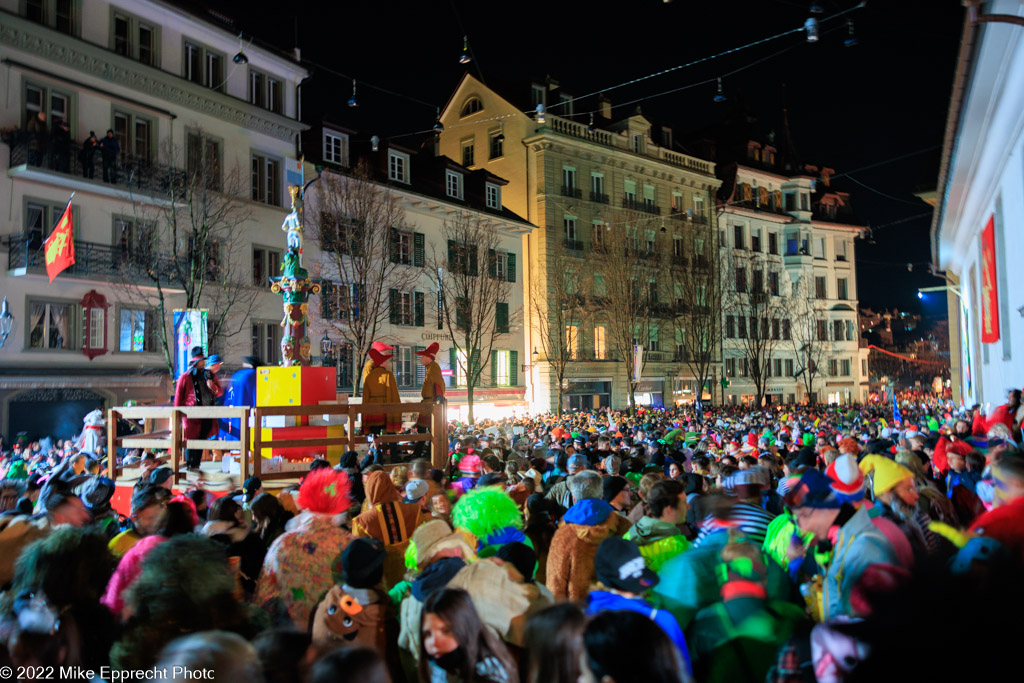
{"x": 189, "y": 331}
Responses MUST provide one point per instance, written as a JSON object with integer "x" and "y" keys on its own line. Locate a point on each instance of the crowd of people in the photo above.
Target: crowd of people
{"x": 786, "y": 543}
{"x": 50, "y": 145}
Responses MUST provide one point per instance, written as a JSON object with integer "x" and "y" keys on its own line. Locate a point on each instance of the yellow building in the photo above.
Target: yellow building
{"x": 571, "y": 172}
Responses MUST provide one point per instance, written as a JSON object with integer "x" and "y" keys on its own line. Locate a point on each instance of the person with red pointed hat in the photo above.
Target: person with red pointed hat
{"x": 380, "y": 347}
{"x": 381, "y": 387}
{"x": 433, "y": 388}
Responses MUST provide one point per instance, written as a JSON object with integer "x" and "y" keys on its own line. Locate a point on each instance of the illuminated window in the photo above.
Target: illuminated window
{"x": 600, "y": 348}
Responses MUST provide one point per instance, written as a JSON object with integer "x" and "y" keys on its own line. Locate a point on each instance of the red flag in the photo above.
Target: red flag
{"x": 59, "y": 247}
{"x": 989, "y": 291}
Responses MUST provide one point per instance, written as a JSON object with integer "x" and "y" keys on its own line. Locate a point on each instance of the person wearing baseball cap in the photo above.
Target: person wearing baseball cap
{"x": 623, "y": 579}
{"x": 432, "y": 389}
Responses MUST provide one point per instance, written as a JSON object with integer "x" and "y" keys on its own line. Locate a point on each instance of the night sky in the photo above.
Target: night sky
{"x": 849, "y": 108}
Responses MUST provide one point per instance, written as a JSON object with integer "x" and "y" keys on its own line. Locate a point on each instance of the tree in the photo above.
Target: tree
{"x": 625, "y": 290}
{"x": 366, "y": 253}
{"x": 559, "y": 305}
{"x": 696, "y": 277}
{"x": 810, "y": 339}
{"x": 756, "y": 313}
{"x": 474, "y": 304}
{"x": 186, "y": 247}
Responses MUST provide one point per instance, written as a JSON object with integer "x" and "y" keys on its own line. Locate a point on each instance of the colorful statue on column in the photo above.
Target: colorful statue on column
{"x": 295, "y": 286}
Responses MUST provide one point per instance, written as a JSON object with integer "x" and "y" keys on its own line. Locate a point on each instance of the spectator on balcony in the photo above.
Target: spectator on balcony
{"x": 38, "y": 138}
{"x": 109, "y": 149}
{"x": 61, "y": 141}
{"x": 88, "y": 155}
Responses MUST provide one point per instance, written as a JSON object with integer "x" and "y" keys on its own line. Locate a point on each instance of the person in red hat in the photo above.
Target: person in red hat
{"x": 197, "y": 387}
{"x": 380, "y": 347}
{"x": 381, "y": 387}
{"x": 433, "y": 388}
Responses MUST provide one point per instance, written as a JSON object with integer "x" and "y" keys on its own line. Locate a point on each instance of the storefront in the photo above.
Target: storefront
{"x": 586, "y": 394}
{"x": 650, "y": 392}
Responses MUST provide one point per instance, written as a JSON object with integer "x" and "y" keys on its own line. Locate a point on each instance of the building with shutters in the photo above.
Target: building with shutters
{"x": 430, "y": 190}
{"x": 573, "y": 174}
{"x": 164, "y": 80}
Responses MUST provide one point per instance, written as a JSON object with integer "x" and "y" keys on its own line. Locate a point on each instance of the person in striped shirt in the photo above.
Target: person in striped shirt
{"x": 745, "y": 487}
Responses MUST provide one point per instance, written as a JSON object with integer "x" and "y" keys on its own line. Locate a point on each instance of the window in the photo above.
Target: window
{"x": 744, "y": 367}
{"x": 132, "y": 37}
{"x": 404, "y": 366}
{"x": 471, "y": 106}
{"x": 789, "y": 368}
{"x": 401, "y": 308}
{"x": 758, "y": 283}
{"x": 266, "y": 342}
{"x": 819, "y": 248}
{"x": 805, "y": 202}
{"x": 572, "y": 342}
{"x": 568, "y": 179}
{"x": 849, "y": 331}
{"x": 629, "y": 190}
{"x": 775, "y": 328}
{"x": 833, "y": 367}
{"x": 54, "y": 103}
{"x": 496, "y": 144}
{"x": 730, "y": 367}
{"x": 335, "y": 148}
{"x": 502, "y": 370}
{"x": 135, "y": 332}
{"x": 453, "y": 184}
{"x": 597, "y": 231}
{"x": 837, "y": 330}
{"x": 135, "y": 135}
{"x": 787, "y": 332}
{"x": 266, "y": 180}
{"x": 778, "y": 367}
{"x": 203, "y": 66}
{"x": 57, "y": 14}
{"x": 678, "y": 248}
{"x": 600, "y": 289}
{"x": 845, "y": 367}
{"x": 398, "y": 166}
{"x": 400, "y": 246}
{"x": 632, "y": 241}
{"x": 649, "y": 202}
{"x": 134, "y": 240}
{"x": 737, "y": 237}
{"x": 467, "y": 152}
{"x": 52, "y": 325}
{"x": 462, "y": 258}
{"x": 741, "y": 280}
{"x": 822, "y": 327}
{"x": 773, "y": 243}
{"x": 741, "y": 326}
{"x": 40, "y": 219}
{"x": 649, "y": 242}
{"x": 265, "y": 91}
{"x": 755, "y": 240}
{"x": 790, "y": 201}
{"x": 820, "y": 287}
{"x": 538, "y": 95}
{"x": 730, "y": 327}
{"x": 565, "y": 104}
{"x": 600, "y": 348}
{"x": 340, "y": 301}
{"x": 493, "y": 196}
{"x": 842, "y": 288}
{"x": 864, "y": 366}
{"x": 266, "y": 263}
{"x": 653, "y": 342}
{"x": 569, "y": 225}
{"x": 652, "y": 292}
{"x": 203, "y": 158}
{"x": 638, "y": 143}
{"x": 773, "y": 283}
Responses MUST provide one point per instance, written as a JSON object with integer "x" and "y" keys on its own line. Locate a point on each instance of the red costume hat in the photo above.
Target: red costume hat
{"x": 381, "y": 346}
{"x": 378, "y": 358}
{"x": 429, "y": 351}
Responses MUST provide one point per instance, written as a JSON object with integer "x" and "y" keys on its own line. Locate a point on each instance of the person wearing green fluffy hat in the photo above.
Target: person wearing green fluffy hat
{"x": 492, "y": 517}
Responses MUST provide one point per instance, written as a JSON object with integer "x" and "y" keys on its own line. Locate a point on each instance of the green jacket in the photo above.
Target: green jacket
{"x": 776, "y": 541}
{"x": 659, "y": 541}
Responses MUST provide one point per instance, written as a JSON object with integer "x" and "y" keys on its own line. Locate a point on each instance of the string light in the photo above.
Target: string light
{"x": 464, "y": 58}
{"x": 851, "y": 40}
{"x": 352, "y": 100}
{"x": 811, "y": 27}
{"x": 540, "y": 113}
{"x": 720, "y": 95}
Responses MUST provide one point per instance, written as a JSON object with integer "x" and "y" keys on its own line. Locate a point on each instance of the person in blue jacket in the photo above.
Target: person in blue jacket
{"x": 242, "y": 392}
{"x": 624, "y": 578}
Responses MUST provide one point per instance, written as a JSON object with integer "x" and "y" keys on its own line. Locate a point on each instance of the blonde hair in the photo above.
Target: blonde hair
{"x": 400, "y": 475}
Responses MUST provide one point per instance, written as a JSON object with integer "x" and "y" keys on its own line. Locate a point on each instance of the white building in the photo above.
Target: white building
{"x": 162, "y": 79}
{"x": 976, "y": 230}
{"x": 430, "y": 190}
{"x": 786, "y": 233}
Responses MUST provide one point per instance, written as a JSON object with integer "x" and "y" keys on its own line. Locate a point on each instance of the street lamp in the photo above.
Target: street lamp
{"x": 6, "y": 322}
{"x": 326, "y": 347}
{"x": 943, "y": 288}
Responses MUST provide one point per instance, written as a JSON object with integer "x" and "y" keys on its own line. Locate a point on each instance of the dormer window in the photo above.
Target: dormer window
{"x": 565, "y": 100}
{"x": 335, "y": 147}
{"x": 493, "y": 196}
{"x": 471, "y": 106}
{"x": 398, "y": 166}
{"x": 453, "y": 184}
{"x": 537, "y": 96}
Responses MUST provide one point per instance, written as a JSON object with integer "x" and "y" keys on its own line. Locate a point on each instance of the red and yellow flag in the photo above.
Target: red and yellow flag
{"x": 59, "y": 247}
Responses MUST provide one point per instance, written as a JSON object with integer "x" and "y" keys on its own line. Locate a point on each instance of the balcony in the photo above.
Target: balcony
{"x": 572, "y": 245}
{"x": 93, "y": 261}
{"x": 574, "y": 192}
{"x": 598, "y": 197}
{"x": 135, "y": 174}
{"x": 644, "y": 206}
{"x": 680, "y": 260}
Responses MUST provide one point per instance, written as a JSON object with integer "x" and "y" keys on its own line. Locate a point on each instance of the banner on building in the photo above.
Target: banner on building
{"x": 989, "y": 292}
{"x": 638, "y": 361}
{"x": 189, "y": 331}
{"x": 294, "y": 173}
{"x": 59, "y": 247}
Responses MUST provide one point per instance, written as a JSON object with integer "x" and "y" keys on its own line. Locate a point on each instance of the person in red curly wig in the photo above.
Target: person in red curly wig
{"x": 297, "y": 568}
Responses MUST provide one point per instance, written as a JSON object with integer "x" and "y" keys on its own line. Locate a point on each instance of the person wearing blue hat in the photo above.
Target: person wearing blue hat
{"x": 196, "y": 387}
{"x": 241, "y": 392}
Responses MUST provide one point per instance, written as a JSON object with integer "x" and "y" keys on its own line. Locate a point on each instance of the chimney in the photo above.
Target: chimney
{"x": 605, "y": 106}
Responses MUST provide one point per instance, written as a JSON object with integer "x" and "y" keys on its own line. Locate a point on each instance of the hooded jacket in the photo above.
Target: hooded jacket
{"x": 604, "y": 601}
{"x": 859, "y": 543}
{"x": 570, "y": 566}
{"x": 389, "y": 520}
{"x": 659, "y": 541}
{"x": 434, "y": 577}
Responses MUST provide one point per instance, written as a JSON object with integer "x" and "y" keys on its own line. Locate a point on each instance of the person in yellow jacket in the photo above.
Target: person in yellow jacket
{"x": 433, "y": 388}
{"x": 381, "y": 387}
{"x": 376, "y": 346}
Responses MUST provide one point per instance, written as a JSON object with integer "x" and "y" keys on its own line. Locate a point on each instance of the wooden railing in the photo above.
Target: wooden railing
{"x": 172, "y": 439}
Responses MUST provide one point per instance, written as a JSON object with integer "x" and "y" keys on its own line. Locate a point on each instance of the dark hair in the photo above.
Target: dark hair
{"x": 198, "y": 498}
{"x": 552, "y": 644}
{"x": 282, "y": 653}
{"x": 265, "y": 505}
{"x": 224, "y": 509}
{"x": 177, "y": 520}
{"x": 148, "y": 496}
{"x": 350, "y": 665}
{"x": 664, "y": 494}
{"x": 975, "y": 461}
{"x": 455, "y": 608}
{"x": 653, "y": 658}
{"x": 1010, "y": 464}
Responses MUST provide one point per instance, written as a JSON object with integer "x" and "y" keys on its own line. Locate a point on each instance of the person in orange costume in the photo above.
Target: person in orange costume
{"x": 433, "y": 388}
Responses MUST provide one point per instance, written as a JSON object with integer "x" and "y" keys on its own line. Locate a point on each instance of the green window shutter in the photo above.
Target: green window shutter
{"x": 460, "y": 314}
{"x": 394, "y": 317}
{"x": 511, "y": 269}
{"x": 326, "y": 300}
{"x": 418, "y": 304}
{"x": 453, "y": 363}
{"x": 494, "y": 368}
{"x": 473, "y": 270}
{"x": 513, "y": 370}
{"x": 418, "y": 250}
{"x": 421, "y": 370}
{"x": 474, "y": 362}
{"x": 492, "y": 263}
{"x": 501, "y": 317}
